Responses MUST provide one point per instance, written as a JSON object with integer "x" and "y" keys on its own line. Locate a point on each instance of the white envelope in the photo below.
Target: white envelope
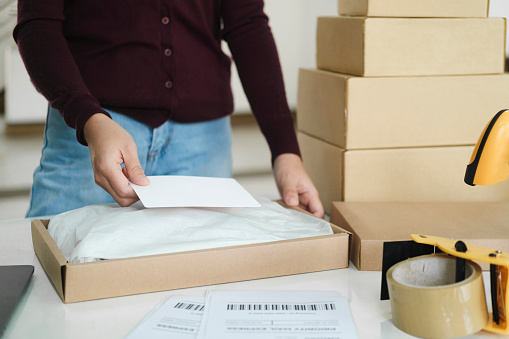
{"x": 188, "y": 191}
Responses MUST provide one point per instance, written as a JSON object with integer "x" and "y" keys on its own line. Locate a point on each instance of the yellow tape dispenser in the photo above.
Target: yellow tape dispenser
{"x": 499, "y": 264}
{"x": 489, "y": 163}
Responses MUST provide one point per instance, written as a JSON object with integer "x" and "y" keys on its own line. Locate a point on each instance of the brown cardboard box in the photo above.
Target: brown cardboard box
{"x": 383, "y": 112}
{"x": 372, "y": 223}
{"x": 324, "y": 164}
{"x": 405, "y": 47}
{"x": 118, "y": 277}
{"x": 397, "y": 174}
{"x": 415, "y": 8}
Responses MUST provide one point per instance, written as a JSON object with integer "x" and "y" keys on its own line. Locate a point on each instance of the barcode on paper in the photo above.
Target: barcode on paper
{"x": 188, "y": 306}
{"x": 281, "y": 307}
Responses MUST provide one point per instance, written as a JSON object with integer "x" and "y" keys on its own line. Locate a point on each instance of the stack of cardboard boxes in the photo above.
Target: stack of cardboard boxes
{"x": 400, "y": 96}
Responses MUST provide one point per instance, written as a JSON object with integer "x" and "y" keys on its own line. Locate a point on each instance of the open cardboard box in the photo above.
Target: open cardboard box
{"x": 119, "y": 277}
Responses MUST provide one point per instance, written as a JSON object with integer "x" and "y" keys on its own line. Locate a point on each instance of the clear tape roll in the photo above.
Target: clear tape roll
{"x": 426, "y": 302}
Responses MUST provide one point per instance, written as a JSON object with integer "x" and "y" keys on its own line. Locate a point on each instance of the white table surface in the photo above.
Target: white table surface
{"x": 41, "y": 313}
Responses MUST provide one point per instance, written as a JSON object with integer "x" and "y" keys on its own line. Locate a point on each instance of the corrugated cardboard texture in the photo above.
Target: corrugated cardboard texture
{"x": 414, "y": 174}
{"x": 405, "y": 47}
{"x": 405, "y": 174}
{"x": 52, "y": 260}
{"x": 340, "y": 44}
{"x": 112, "y": 278}
{"x": 324, "y": 164}
{"x": 371, "y": 223}
{"x": 400, "y": 111}
{"x": 415, "y": 8}
{"x": 322, "y": 104}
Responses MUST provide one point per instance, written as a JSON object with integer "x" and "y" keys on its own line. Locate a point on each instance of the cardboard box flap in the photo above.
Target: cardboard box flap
{"x": 50, "y": 256}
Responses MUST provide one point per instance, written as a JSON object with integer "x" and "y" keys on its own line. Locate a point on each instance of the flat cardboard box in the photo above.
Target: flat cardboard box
{"x": 372, "y": 223}
{"x": 119, "y": 277}
{"x": 385, "y": 112}
{"x": 410, "y": 47}
{"x": 397, "y": 174}
{"x": 415, "y": 8}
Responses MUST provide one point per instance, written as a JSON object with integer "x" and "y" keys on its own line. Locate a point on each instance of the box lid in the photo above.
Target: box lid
{"x": 372, "y": 223}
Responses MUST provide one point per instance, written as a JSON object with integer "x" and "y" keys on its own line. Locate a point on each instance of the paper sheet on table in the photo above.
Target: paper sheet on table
{"x": 187, "y": 191}
{"x": 178, "y": 317}
{"x": 277, "y": 314}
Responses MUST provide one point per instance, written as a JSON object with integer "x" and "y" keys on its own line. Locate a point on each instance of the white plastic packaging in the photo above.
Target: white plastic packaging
{"x": 109, "y": 231}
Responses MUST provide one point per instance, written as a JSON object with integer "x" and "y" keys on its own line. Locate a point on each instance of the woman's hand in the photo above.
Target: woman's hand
{"x": 294, "y": 184}
{"x": 111, "y": 146}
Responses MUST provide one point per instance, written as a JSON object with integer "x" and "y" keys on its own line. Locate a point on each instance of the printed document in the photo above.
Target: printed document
{"x": 277, "y": 315}
{"x": 188, "y": 191}
{"x": 178, "y": 317}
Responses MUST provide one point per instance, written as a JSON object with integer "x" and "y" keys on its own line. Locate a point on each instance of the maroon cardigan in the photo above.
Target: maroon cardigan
{"x": 154, "y": 60}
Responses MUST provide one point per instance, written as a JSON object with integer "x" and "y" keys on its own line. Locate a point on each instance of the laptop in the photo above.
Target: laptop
{"x": 13, "y": 283}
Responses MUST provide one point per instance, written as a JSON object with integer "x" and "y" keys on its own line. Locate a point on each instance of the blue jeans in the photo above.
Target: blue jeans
{"x": 64, "y": 180}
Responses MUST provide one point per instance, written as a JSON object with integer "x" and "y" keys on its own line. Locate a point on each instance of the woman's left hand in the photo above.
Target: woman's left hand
{"x": 294, "y": 184}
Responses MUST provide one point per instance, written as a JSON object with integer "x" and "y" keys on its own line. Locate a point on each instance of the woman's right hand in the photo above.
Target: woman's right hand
{"x": 110, "y": 146}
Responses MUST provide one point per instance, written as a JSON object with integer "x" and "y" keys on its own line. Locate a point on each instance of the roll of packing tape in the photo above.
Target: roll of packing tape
{"x": 426, "y": 302}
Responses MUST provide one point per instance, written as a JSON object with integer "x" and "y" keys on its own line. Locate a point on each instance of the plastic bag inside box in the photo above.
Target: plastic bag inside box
{"x": 109, "y": 231}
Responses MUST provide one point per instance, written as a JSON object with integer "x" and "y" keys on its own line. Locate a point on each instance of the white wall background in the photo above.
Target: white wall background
{"x": 7, "y": 22}
{"x": 293, "y": 24}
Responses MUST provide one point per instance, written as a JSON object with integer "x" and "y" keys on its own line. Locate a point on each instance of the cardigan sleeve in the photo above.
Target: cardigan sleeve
{"x": 249, "y": 37}
{"x": 50, "y": 64}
